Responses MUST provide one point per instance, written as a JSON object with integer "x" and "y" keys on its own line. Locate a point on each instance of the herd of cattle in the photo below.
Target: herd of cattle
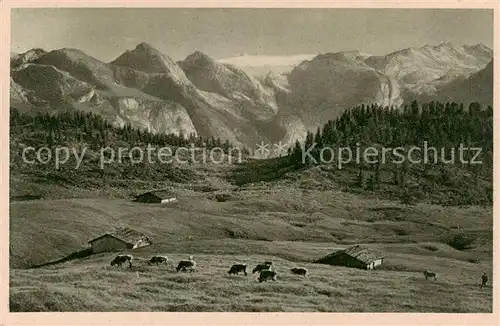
{"x": 265, "y": 269}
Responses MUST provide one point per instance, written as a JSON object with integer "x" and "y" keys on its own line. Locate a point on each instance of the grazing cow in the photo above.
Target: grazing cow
{"x": 158, "y": 260}
{"x": 484, "y": 280}
{"x": 299, "y": 271}
{"x": 120, "y": 259}
{"x": 266, "y": 275}
{"x": 428, "y": 274}
{"x": 261, "y": 267}
{"x": 185, "y": 265}
{"x": 236, "y": 268}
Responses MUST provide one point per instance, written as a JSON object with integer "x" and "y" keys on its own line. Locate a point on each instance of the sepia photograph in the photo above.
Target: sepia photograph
{"x": 250, "y": 160}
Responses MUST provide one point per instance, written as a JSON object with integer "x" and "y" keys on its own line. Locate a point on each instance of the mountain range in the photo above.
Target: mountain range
{"x": 244, "y": 99}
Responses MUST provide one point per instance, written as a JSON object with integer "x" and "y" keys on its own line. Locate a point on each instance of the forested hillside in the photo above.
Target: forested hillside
{"x": 85, "y": 135}
{"x": 441, "y": 177}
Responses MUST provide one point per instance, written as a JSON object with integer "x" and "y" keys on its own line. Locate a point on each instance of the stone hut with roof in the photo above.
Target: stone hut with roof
{"x": 120, "y": 239}
{"x": 158, "y": 196}
{"x": 356, "y": 256}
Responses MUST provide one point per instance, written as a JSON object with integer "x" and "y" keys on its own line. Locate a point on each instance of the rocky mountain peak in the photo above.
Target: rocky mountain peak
{"x": 197, "y": 59}
{"x": 148, "y": 59}
{"x": 144, "y": 46}
{"x": 26, "y": 57}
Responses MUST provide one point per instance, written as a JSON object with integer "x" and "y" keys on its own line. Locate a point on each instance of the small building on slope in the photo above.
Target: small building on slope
{"x": 119, "y": 239}
{"x": 356, "y": 256}
{"x": 158, "y": 197}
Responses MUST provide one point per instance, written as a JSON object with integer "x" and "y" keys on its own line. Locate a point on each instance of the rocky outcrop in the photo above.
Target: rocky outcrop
{"x": 154, "y": 115}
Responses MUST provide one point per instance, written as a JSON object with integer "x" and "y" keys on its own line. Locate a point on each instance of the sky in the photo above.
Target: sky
{"x": 105, "y": 33}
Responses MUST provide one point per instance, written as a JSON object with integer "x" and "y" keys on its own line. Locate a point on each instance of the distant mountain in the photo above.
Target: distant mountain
{"x": 244, "y": 99}
{"x": 328, "y": 84}
{"x": 149, "y": 90}
{"x": 321, "y": 89}
{"x": 17, "y": 59}
{"x": 478, "y": 87}
{"x": 56, "y": 87}
{"x": 231, "y": 82}
{"x": 479, "y": 51}
{"x": 423, "y": 70}
{"x": 68, "y": 79}
{"x": 147, "y": 59}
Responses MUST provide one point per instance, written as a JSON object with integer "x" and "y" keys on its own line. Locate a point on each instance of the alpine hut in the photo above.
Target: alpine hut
{"x": 119, "y": 239}
{"x": 356, "y": 256}
{"x": 158, "y": 196}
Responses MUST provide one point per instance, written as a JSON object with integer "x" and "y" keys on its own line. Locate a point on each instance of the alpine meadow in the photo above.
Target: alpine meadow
{"x": 206, "y": 159}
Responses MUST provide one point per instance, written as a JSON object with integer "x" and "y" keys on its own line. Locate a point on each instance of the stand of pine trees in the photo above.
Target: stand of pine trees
{"x": 440, "y": 125}
{"x": 77, "y": 131}
{"x": 96, "y": 132}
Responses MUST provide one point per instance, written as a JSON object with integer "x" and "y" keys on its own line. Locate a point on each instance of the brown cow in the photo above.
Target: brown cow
{"x": 261, "y": 267}
{"x": 266, "y": 275}
{"x": 120, "y": 259}
{"x": 158, "y": 260}
{"x": 185, "y": 265}
{"x": 299, "y": 271}
{"x": 428, "y": 274}
{"x": 236, "y": 268}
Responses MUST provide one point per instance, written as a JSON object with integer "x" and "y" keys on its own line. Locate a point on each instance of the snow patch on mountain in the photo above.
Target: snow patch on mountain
{"x": 261, "y": 65}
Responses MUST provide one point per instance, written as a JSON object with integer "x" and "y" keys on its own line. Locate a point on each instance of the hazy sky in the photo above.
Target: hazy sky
{"x": 105, "y": 33}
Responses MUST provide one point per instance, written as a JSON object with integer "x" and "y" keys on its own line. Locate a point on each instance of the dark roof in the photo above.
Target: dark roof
{"x": 124, "y": 234}
{"x": 363, "y": 254}
{"x": 357, "y": 252}
{"x": 163, "y": 194}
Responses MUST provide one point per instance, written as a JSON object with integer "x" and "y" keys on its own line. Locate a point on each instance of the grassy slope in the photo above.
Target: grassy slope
{"x": 458, "y": 185}
{"x": 93, "y": 285}
{"x": 278, "y": 221}
{"x": 279, "y": 213}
